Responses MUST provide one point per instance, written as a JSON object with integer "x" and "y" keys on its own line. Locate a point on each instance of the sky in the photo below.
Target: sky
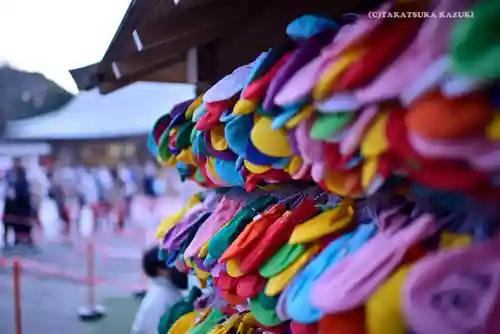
{"x": 54, "y": 36}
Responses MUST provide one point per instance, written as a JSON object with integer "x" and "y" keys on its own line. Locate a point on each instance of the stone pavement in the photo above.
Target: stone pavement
{"x": 53, "y": 282}
{"x": 53, "y": 287}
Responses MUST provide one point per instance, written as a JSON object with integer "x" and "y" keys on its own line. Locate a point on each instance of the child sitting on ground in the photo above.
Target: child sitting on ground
{"x": 164, "y": 290}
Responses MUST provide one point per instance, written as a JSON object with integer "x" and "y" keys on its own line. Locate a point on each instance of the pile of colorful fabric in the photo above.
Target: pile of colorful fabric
{"x": 354, "y": 175}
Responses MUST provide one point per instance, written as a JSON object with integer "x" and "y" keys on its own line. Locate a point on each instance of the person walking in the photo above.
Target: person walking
{"x": 116, "y": 200}
{"x": 18, "y": 210}
{"x": 149, "y": 179}
{"x": 129, "y": 189}
{"x": 58, "y": 195}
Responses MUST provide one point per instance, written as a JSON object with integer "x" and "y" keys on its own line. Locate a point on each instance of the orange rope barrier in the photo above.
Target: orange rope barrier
{"x": 38, "y": 269}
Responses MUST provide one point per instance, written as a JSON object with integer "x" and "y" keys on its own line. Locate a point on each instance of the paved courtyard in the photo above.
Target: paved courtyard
{"x": 53, "y": 282}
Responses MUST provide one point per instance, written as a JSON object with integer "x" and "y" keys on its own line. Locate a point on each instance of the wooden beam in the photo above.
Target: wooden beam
{"x": 120, "y": 42}
{"x": 176, "y": 64}
{"x": 180, "y": 34}
{"x": 192, "y": 66}
{"x": 268, "y": 30}
{"x": 194, "y": 18}
{"x": 226, "y": 34}
{"x": 85, "y": 77}
{"x": 172, "y": 73}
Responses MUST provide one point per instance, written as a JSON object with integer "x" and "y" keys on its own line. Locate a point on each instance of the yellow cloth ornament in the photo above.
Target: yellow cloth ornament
{"x": 210, "y": 165}
{"x": 174, "y": 218}
{"x": 323, "y": 224}
{"x": 244, "y": 107}
{"x": 336, "y": 182}
{"x": 452, "y": 240}
{"x": 295, "y": 165}
{"x": 203, "y": 315}
{"x": 369, "y": 172}
{"x": 249, "y": 320}
{"x": 203, "y": 252}
{"x": 493, "y": 129}
{"x": 224, "y": 328}
{"x": 193, "y": 106}
{"x": 375, "y": 141}
{"x": 187, "y": 156}
{"x": 302, "y": 115}
{"x": 272, "y": 142}
{"x": 325, "y": 84}
{"x": 201, "y": 274}
{"x": 383, "y": 310}
{"x": 182, "y": 157}
{"x": 278, "y": 283}
{"x": 172, "y": 161}
{"x": 184, "y": 323}
{"x": 241, "y": 328}
{"x": 233, "y": 268}
{"x": 189, "y": 263}
{"x": 256, "y": 169}
{"x": 218, "y": 139}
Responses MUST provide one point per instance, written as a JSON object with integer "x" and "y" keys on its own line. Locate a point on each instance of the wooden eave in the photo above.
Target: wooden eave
{"x": 156, "y": 37}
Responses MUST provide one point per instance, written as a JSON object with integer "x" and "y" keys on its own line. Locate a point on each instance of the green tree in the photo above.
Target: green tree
{"x": 24, "y": 94}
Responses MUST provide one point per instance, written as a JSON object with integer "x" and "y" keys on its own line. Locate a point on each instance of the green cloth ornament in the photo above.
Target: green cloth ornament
{"x": 326, "y": 125}
{"x": 162, "y": 254}
{"x": 282, "y": 259}
{"x": 268, "y": 302}
{"x": 193, "y": 134}
{"x": 179, "y": 309}
{"x": 270, "y": 112}
{"x": 475, "y": 42}
{"x": 209, "y": 323}
{"x": 267, "y": 317}
{"x": 226, "y": 236}
{"x": 163, "y": 147}
{"x": 183, "y": 138}
{"x": 199, "y": 177}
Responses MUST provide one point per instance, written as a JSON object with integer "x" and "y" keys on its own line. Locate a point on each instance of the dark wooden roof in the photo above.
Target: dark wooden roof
{"x": 154, "y": 40}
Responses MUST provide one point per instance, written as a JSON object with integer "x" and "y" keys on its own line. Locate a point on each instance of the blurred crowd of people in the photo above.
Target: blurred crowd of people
{"x": 102, "y": 188}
